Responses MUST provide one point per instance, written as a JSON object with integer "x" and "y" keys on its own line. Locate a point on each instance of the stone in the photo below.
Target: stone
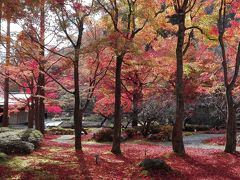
{"x": 155, "y": 164}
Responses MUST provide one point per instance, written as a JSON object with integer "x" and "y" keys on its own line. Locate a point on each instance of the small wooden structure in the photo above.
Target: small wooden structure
{"x": 17, "y": 103}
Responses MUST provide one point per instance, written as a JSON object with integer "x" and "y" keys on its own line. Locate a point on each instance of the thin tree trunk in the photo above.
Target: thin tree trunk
{"x": 6, "y": 81}
{"x": 137, "y": 99}
{"x": 31, "y": 115}
{"x": 116, "y": 149}
{"x": 41, "y": 106}
{"x": 135, "y": 112}
{"x": 36, "y": 114}
{"x": 31, "y": 106}
{"x": 30, "y": 118}
{"x": 77, "y": 113}
{"x": 177, "y": 138}
{"x": 230, "y": 146}
{"x": 41, "y": 79}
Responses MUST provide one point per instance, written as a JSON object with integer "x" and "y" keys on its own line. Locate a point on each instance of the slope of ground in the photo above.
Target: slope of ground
{"x": 59, "y": 161}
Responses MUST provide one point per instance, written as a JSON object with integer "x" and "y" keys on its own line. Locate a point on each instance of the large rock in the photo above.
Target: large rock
{"x": 155, "y": 164}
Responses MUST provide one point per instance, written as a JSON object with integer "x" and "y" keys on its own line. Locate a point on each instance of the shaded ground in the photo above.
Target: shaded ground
{"x": 59, "y": 161}
{"x": 193, "y": 141}
{"x": 217, "y": 141}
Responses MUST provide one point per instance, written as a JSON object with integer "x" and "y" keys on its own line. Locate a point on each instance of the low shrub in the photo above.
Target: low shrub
{"x": 154, "y": 129}
{"x": 3, "y": 157}
{"x": 157, "y": 137}
{"x": 9, "y": 146}
{"x": 32, "y": 136}
{"x": 166, "y": 130}
{"x": 130, "y": 132}
{"x": 104, "y": 134}
{"x": 4, "y": 129}
{"x": 61, "y": 131}
{"x": 18, "y": 141}
{"x": 165, "y": 134}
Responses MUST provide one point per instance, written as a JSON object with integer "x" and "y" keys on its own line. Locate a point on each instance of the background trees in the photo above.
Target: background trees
{"x": 132, "y": 56}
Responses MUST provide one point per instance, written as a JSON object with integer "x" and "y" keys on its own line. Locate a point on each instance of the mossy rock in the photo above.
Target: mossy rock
{"x": 155, "y": 164}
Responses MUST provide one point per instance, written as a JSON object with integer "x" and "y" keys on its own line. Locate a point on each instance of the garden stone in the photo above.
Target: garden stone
{"x": 155, "y": 164}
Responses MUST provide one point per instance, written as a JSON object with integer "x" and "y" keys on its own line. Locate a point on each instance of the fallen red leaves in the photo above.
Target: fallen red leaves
{"x": 60, "y": 161}
{"x": 217, "y": 141}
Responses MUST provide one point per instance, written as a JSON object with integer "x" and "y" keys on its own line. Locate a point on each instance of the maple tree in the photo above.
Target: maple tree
{"x": 130, "y": 55}
{"x": 229, "y": 81}
{"x": 126, "y": 22}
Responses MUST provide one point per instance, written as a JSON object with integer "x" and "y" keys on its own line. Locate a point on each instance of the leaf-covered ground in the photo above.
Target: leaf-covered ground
{"x": 216, "y": 141}
{"x": 60, "y": 161}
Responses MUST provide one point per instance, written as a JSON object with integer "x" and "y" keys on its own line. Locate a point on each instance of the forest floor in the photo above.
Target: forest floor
{"x": 57, "y": 160}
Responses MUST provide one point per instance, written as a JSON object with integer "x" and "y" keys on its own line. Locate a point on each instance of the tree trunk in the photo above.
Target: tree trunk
{"x": 77, "y": 112}
{"x": 6, "y": 81}
{"x": 31, "y": 115}
{"x": 36, "y": 114}
{"x": 230, "y": 146}
{"x": 41, "y": 106}
{"x": 135, "y": 112}
{"x": 41, "y": 78}
{"x": 116, "y": 149}
{"x": 177, "y": 138}
{"x": 137, "y": 98}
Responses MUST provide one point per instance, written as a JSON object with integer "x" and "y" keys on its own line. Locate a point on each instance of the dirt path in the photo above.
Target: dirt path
{"x": 194, "y": 141}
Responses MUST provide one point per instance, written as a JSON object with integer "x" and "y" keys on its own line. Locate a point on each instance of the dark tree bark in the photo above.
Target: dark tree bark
{"x": 6, "y": 81}
{"x": 230, "y": 146}
{"x": 40, "y": 106}
{"x": 42, "y": 75}
{"x": 77, "y": 114}
{"x": 36, "y": 110}
{"x": 116, "y": 149}
{"x": 177, "y": 138}
{"x": 135, "y": 111}
{"x": 41, "y": 78}
{"x": 136, "y": 101}
{"x": 41, "y": 112}
{"x": 31, "y": 114}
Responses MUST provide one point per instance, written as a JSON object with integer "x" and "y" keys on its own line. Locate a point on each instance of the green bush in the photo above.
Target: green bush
{"x": 4, "y": 129}
{"x": 105, "y": 134}
{"x": 166, "y": 130}
{"x": 3, "y": 157}
{"x": 18, "y": 141}
{"x": 154, "y": 129}
{"x": 61, "y": 131}
{"x": 165, "y": 134}
{"x": 32, "y": 136}
{"x": 130, "y": 132}
{"x": 10, "y": 146}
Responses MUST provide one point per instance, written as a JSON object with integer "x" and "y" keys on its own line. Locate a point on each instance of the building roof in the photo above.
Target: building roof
{"x": 15, "y": 98}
